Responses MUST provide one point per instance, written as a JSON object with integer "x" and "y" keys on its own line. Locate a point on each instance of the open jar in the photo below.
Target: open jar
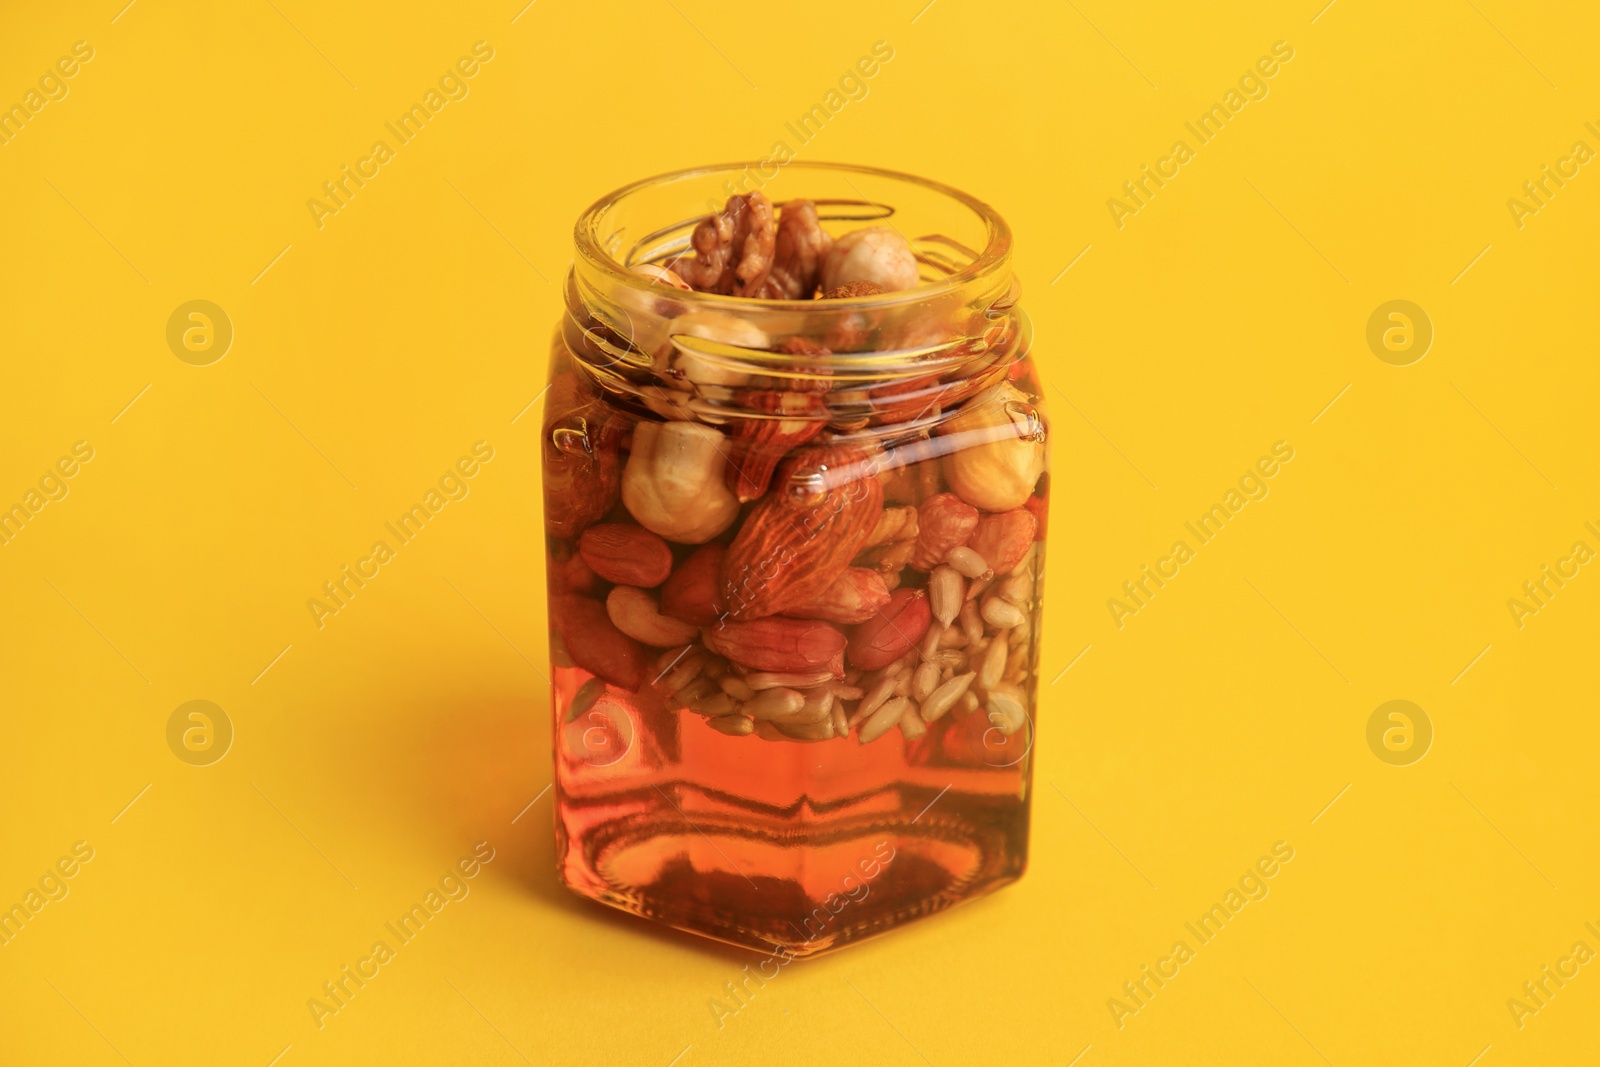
{"x": 796, "y": 552}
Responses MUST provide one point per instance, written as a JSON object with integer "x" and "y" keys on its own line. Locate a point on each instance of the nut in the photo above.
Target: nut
{"x": 993, "y": 666}
{"x": 1039, "y": 507}
{"x": 778, "y": 644}
{"x": 801, "y": 536}
{"x": 626, "y": 554}
{"x": 879, "y": 722}
{"x": 1001, "y": 613}
{"x": 636, "y": 613}
{"x": 760, "y": 443}
{"x": 945, "y": 593}
{"x": 999, "y": 449}
{"x": 775, "y": 704}
{"x": 594, "y": 643}
{"x": 856, "y": 596}
{"x": 737, "y": 725}
{"x": 946, "y": 696}
{"x": 895, "y": 524}
{"x": 673, "y": 481}
{"x": 969, "y": 563}
{"x": 693, "y": 592}
{"x": 944, "y": 521}
{"x": 877, "y": 254}
{"x": 733, "y": 248}
{"x": 568, "y": 573}
{"x": 1008, "y": 708}
{"x": 797, "y": 256}
{"x": 1003, "y": 539}
{"x": 719, "y": 362}
{"x": 662, "y": 276}
{"x": 584, "y": 698}
{"x": 786, "y": 679}
{"x": 582, "y": 461}
{"x": 895, "y": 631}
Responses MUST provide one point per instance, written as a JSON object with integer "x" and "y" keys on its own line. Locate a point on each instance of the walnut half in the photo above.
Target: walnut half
{"x": 732, "y": 249}
{"x": 801, "y": 245}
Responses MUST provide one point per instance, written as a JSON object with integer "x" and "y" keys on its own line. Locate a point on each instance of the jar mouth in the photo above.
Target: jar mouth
{"x": 964, "y": 268}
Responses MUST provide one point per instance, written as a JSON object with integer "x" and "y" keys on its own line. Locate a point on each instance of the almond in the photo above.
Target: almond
{"x": 801, "y": 536}
{"x": 761, "y": 441}
{"x": 626, "y": 554}
{"x": 778, "y": 644}
{"x": 896, "y": 630}
{"x": 944, "y": 521}
{"x": 568, "y": 573}
{"x": 856, "y": 596}
{"x": 582, "y": 468}
{"x": 693, "y": 592}
{"x": 594, "y": 643}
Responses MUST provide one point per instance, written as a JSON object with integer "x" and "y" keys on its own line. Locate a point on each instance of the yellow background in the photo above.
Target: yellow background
{"x": 1223, "y": 717}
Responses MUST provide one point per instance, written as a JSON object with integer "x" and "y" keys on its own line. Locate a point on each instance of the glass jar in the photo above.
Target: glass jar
{"x": 795, "y": 560}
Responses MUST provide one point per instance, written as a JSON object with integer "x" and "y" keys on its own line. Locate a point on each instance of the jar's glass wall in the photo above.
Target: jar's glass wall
{"x": 795, "y": 564}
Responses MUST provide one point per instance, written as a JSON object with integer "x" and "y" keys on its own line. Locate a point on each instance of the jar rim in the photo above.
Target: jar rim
{"x": 992, "y": 259}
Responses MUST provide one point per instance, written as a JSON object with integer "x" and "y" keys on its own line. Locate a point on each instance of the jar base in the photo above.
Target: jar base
{"x": 801, "y": 883}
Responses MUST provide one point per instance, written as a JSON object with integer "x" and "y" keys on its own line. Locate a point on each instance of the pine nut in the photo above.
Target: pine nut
{"x": 817, "y": 708}
{"x": 944, "y": 698}
{"x": 775, "y": 704}
{"x": 671, "y": 656}
{"x": 1007, "y": 708}
{"x": 1018, "y": 588}
{"x": 737, "y": 725}
{"x": 875, "y": 696}
{"x": 775, "y": 680}
{"x": 968, "y": 562}
{"x": 911, "y": 724}
{"x": 971, "y": 622}
{"x": 714, "y": 705}
{"x": 945, "y": 593}
{"x": 585, "y": 697}
{"x": 879, "y": 722}
{"x": 735, "y": 687}
{"x": 994, "y": 664}
{"x": 1002, "y": 613}
{"x": 925, "y": 680}
{"x": 685, "y": 672}
{"x": 930, "y": 640}
{"x": 808, "y": 731}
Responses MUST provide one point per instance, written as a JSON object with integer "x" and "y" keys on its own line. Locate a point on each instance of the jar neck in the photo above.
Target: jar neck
{"x": 872, "y": 363}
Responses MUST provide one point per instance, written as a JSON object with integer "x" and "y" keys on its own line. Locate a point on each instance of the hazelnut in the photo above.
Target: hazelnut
{"x": 876, "y": 254}
{"x": 723, "y": 328}
{"x": 673, "y": 483}
{"x": 1001, "y": 451}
